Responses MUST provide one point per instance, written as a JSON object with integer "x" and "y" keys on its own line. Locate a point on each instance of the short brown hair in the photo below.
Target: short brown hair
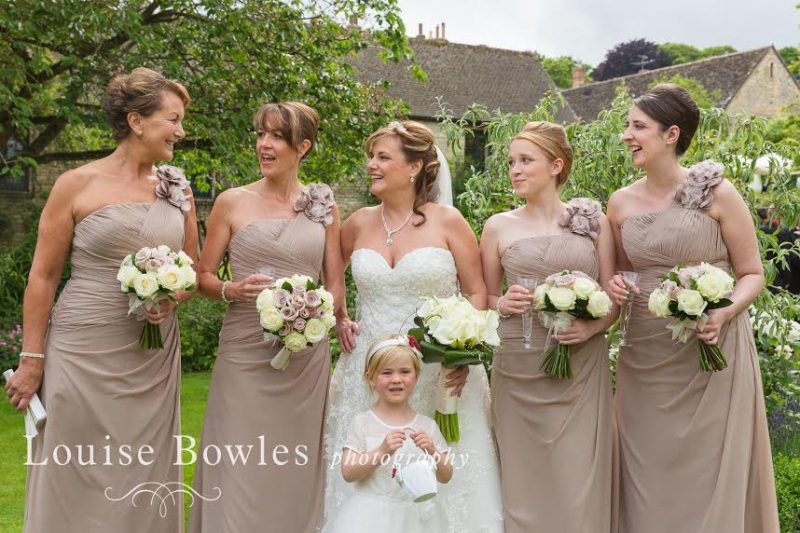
{"x": 552, "y": 140}
{"x": 295, "y": 120}
{"x": 418, "y": 144}
{"x": 670, "y": 104}
{"x": 141, "y": 92}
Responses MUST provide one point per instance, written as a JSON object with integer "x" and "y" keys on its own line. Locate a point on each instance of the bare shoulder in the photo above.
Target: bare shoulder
{"x": 621, "y": 200}
{"x": 499, "y": 219}
{"x": 360, "y": 217}
{"x": 73, "y": 181}
{"x": 444, "y": 214}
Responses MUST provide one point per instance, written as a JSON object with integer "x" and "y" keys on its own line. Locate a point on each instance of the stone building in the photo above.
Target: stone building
{"x": 755, "y": 83}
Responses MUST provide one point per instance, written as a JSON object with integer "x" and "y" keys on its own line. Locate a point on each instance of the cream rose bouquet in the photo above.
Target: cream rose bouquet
{"x": 452, "y": 332}
{"x": 297, "y": 312}
{"x": 150, "y": 276}
{"x": 685, "y": 294}
{"x": 562, "y": 298}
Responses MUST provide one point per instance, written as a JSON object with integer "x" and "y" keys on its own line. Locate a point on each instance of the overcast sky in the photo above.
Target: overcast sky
{"x": 586, "y": 29}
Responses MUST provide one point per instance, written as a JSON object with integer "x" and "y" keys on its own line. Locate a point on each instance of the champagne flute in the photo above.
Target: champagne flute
{"x": 268, "y": 270}
{"x": 528, "y": 282}
{"x": 630, "y": 279}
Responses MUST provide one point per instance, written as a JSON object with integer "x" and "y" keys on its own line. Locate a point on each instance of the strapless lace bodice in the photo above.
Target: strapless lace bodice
{"x": 388, "y": 297}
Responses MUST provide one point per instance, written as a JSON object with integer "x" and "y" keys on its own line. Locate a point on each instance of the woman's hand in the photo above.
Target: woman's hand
{"x": 515, "y": 301}
{"x": 619, "y": 290}
{"x": 579, "y": 331}
{"x": 457, "y": 378}
{"x": 709, "y": 332}
{"x": 392, "y": 442}
{"x": 160, "y": 312}
{"x": 424, "y": 442}
{"x": 346, "y": 331}
{"x": 248, "y": 289}
{"x": 25, "y": 382}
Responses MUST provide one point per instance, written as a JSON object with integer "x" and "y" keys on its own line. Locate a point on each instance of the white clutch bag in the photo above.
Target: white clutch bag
{"x": 418, "y": 479}
{"x": 36, "y": 416}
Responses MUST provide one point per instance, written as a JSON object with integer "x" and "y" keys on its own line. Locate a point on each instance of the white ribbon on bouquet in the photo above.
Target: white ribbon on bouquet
{"x": 35, "y": 415}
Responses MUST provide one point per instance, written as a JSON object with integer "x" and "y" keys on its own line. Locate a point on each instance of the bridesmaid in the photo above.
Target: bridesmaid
{"x": 99, "y": 387}
{"x": 554, "y": 436}
{"x": 688, "y": 439}
{"x": 274, "y": 223}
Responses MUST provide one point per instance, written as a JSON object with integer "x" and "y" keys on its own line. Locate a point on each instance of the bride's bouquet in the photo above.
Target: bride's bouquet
{"x": 297, "y": 312}
{"x": 150, "y": 276}
{"x": 452, "y": 332}
{"x": 562, "y": 298}
{"x": 685, "y": 294}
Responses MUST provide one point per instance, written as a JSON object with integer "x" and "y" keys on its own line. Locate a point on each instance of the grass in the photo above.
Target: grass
{"x": 194, "y": 389}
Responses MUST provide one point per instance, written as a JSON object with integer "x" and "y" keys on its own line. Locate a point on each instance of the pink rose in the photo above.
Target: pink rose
{"x": 312, "y": 299}
{"x": 298, "y": 302}
{"x": 281, "y": 297}
{"x": 299, "y": 324}
{"x": 288, "y": 313}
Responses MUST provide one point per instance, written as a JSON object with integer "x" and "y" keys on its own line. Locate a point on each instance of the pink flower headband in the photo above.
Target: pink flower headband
{"x": 401, "y": 340}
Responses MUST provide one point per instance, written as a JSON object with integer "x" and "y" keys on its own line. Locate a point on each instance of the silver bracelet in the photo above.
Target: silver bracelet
{"x": 222, "y": 292}
{"x": 497, "y": 308}
{"x": 32, "y": 355}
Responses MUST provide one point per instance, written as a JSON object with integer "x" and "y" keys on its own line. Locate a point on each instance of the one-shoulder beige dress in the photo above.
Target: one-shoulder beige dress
{"x": 275, "y": 414}
{"x": 693, "y": 447}
{"x": 554, "y": 436}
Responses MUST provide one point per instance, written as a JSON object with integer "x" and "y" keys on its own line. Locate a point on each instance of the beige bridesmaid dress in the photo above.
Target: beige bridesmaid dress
{"x": 693, "y": 447}
{"x": 554, "y": 436}
{"x": 102, "y": 391}
{"x": 279, "y": 414}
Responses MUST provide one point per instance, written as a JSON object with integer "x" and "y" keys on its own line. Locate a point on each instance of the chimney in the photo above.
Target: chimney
{"x": 443, "y": 37}
{"x": 421, "y": 34}
{"x": 437, "y": 31}
{"x": 578, "y": 76}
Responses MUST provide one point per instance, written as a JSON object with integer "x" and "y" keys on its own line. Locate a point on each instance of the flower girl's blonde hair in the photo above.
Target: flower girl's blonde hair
{"x": 383, "y": 352}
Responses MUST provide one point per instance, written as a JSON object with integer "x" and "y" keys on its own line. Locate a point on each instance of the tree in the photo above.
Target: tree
{"x": 560, "y": 69}
{"x": 679, "y": 53}
{"x": 233, "y": 55}
{"x": 629, "y": 58}
{"x": 791, "y": 56}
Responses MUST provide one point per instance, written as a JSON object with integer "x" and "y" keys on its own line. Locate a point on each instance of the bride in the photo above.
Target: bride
{"x": 403, "y": 249}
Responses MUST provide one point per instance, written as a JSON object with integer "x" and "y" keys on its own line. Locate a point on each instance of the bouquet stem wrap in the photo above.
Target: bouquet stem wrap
{"x": 446, "y": 407}
{"x": 556, "y": 358}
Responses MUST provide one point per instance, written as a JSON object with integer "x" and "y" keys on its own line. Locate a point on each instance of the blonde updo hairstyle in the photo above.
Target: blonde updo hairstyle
{"x": 418, "y": 144}
{"x": 140, "y": 92}
{"x": 295, "y": 120}
{"x": 386, "y": 356}
{"x": 552, "y": 140}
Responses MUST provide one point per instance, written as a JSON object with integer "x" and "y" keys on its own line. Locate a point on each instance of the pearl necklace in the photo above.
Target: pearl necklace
{"x": 389, "y": 231}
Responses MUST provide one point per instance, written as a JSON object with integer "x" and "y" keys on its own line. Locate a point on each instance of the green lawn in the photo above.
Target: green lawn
{"x": 194, "y": 389}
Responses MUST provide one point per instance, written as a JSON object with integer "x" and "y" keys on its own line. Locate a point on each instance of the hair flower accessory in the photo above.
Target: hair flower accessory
{"x": 396, "y": 125}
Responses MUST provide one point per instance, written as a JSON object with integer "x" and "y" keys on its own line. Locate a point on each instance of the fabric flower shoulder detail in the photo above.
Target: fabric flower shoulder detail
{"x": 697, "y": 192}
{"x": 582, "y": 216}
{"x": 173, "y": 186}
{"x": 317, "y": 202}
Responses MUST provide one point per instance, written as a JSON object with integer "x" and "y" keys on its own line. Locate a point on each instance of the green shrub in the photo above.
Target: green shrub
{"x": 10, "y": 347}
{"x": 787, "y": 486}
{"x": 201, "y": 321}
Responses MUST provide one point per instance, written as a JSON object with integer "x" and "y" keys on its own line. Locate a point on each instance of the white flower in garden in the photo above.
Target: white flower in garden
{"x": 171, "y": 277}
{"x": 562, "y": 298}
{"x": 599, "y": 304}
{"x": 691, "y": 302}
{"x": 316, "y": 330}
{"x": 265, "y": 300}
{"x": 294, "y": 341}
{"x": 146, "y": 285}
{"x": 658, "y": 304}
{"x": 126, "y": 275}
{"x": 271, "y": 319}
{"x": 583, "y": 287}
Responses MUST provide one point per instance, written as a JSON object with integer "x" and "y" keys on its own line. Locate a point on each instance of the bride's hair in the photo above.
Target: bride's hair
{"x": 418, "y": 144}
{"x": 552, "y": 140}
{"x": 386, "y": 356}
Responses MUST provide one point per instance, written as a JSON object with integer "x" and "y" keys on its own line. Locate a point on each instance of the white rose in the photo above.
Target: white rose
{"x": 145, "y": 285}
{"x": 170, "y": 277}
{"x": 490, "y": 335}
{"x": 271, "y": 319}
{"x": 584, "y": 287}
{"x": 126, "y": 275}
{"x": 316, "y": 330}
{"x": 327, "y": 307}
{"x": 538, "y": 296}
{"x": 599, "y": 304}
{"x": 658, "y": 304}
{"x": 562, "y": 298}
{"x": 327, "y": 319}
{"x": 299, "y": 279}
{"x": 715, "y": 284}
{"x": 265, "y": 300}
{"x": 691, "y": 302}
{"x": 189, "y": 277}
{"x": 326, "y": 297}
{"x": 184, "y": 259}
{"x": 295, "y": 341}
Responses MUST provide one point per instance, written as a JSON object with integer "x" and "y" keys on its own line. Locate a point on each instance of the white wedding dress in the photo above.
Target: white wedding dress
{"x": 387, "y": 300}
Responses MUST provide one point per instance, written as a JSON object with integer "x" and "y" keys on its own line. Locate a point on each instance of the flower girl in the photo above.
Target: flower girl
{"x": 394, "y": 455}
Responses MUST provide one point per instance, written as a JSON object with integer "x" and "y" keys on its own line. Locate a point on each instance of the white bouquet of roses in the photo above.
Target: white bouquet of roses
{"x": 452, "y": 332}
{"x": 685, "y": 294}
{"x": 297, "y": 312}
{"x": 150, "y": 276}
{"x": 562, "y": 298}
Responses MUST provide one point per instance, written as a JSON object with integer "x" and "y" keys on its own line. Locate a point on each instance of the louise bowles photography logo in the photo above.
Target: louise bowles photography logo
{"x": 184, "y": 451}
